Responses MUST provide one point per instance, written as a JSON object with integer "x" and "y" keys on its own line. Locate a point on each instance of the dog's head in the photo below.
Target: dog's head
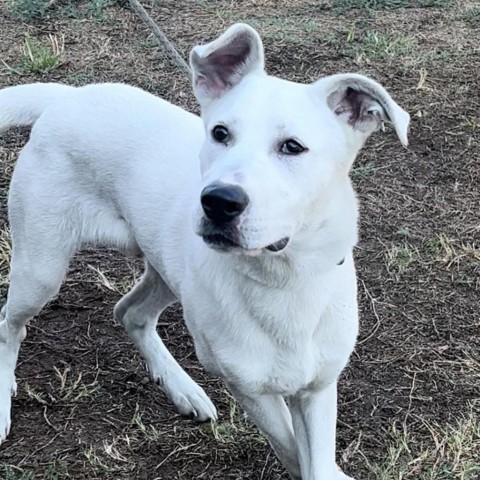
{"x": 275, "y": 151}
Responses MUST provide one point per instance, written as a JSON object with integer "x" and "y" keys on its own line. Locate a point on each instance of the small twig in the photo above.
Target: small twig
{"x": 11, "y": 69}
{"x": 377, "y": 325}
{"x": 410, "y": 398}
{"x": 175, "y": 56}
{"x": 49, "y": 423}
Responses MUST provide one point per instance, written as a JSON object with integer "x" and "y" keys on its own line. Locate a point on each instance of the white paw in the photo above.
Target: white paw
{"x": 8, "y": 385}
{"x": 5, "y": 407}
{"x": 189, "y": 399}
{"x": 5, "y": 423}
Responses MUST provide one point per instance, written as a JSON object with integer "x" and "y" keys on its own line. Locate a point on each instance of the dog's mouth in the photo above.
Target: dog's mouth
{"x": 228, "y": 239}
{"x": 221, "y": 242}
{"x": 278, "y": 246}
{"x": 224, "y": 243}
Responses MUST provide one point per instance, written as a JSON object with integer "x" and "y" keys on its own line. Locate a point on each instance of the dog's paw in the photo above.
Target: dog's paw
{"x": 5, "y": 407}
{"x": 189, "y": 399}
{"x": 4, "y": 426}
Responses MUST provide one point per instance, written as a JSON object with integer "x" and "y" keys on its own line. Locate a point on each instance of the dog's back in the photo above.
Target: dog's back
{"x": 95, "y": 151}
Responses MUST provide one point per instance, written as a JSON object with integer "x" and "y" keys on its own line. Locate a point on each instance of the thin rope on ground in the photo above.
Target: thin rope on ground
{"x": 174, "y": 55}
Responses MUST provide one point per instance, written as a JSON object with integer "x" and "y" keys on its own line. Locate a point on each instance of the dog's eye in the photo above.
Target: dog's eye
{"x": 220, "y": 133}
{"x": 292, "y": 147}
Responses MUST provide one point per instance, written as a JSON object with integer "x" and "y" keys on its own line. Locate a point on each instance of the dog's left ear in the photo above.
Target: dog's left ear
{"x": 363, "y": 104}
{"x": 221, "y": 64}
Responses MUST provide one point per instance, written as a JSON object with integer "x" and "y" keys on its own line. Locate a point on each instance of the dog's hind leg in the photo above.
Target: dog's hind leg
{"x": 139, "y": 310}
{"x": 39, "y": 261}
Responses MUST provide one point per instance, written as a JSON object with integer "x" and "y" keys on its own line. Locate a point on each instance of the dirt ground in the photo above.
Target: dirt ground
{"x": 409, "y": 401}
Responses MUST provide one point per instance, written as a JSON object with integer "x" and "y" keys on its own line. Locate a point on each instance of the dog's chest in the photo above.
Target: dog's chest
{"x": 276, "y": 341}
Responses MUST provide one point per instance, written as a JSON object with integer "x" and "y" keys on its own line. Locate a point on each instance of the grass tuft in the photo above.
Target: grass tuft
{"x": 472, "y": 15}
{"x": 451, "y": 453}
{"x": 343, "y": 6}
{"x": 11, "y": 472}
{"x": 435, "y": 3}
{"x": 376, "y": 45}
{"x": 34, "y": 395}
{"x": 450, "y": 252}
{"x": 95, "y": 461}
{"x": 38, "y": 58}
{"x": 372, "y": 6}
{"x": 236, "y": 425}
{"x": 56, "y": 470}
{"x": 364, "y": 171}
{"x": 73, "y": 389}
{"x": 34, "y": 10}
{"x": 149, "y": 432}
{"x": 400, "y": 257}
{"x": 28, "y": 10}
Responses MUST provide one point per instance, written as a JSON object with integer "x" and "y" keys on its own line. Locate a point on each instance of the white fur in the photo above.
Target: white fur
{"x": 113, "y": 164}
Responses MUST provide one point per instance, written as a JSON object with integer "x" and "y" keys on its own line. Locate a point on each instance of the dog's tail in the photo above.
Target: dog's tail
{"x": 23, "y": 104}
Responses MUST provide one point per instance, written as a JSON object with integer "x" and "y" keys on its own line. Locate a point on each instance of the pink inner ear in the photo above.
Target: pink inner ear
{"x": 228, "y": 62}
{"x": 352, "y": 105}
{"x": 213, "y": 84}
{"x": 219, "y": 70}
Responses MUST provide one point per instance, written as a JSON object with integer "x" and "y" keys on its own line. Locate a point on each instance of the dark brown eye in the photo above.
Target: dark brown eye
{"x": 292, "y": 147}
{"x": 220, "y": 134}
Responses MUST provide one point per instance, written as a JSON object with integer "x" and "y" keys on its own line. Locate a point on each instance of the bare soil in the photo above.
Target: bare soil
{"x": 85, "y": 407}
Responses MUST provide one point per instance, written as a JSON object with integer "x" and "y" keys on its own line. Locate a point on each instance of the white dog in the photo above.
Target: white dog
{"x": 255, "y": 242}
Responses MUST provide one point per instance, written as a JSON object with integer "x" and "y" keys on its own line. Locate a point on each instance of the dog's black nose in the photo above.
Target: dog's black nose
{"x": 223, "y": 203}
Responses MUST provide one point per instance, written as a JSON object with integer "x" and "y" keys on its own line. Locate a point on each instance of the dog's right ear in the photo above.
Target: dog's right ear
{"x": 220, "y": 65}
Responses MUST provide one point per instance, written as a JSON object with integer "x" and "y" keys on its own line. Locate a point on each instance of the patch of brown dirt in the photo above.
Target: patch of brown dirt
{"x": 418, "y": 356}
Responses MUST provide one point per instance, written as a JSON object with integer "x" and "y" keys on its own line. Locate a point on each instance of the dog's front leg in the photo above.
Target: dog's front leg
{"x": 271, "y": 415}
{"x": 314, "y": 416}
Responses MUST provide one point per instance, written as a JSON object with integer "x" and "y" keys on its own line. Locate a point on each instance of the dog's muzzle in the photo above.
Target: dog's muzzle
{"x": 223, "y": 204}
{"x": 228, "y": 238}
{"x": 217, "y": 237}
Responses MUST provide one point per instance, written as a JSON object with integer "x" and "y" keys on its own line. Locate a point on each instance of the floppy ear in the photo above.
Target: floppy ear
{"x": 364, "y": 104}
{"x": 221, "y": 64}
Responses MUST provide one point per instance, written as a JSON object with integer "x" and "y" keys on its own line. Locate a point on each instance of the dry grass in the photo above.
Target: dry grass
{"x": 39, "y": 57}
{"x": 5, "y": 254}
{"x": 235, "y": 425}
{"x": 94, "y": 459}
{"x": 448, "y": 452}
{"x": 57, "y": 470}
{"x": 419, "y": 307}
{"x": 451, "y": 252}
{"x": 400, "y": 257}
{"x": 149, "y": 432}
{"x": 109, "y": 282}
{"x": 377, "y": 45}
{"x": 72, "y": 389}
